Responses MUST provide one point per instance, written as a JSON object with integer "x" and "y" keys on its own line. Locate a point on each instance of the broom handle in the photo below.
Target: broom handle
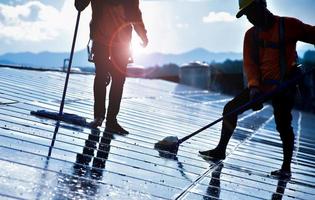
{"x": 69, "y": 66}
{"x": 281, "y": 87}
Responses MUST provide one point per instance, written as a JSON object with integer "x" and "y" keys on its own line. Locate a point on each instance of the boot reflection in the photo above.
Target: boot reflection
{"x": 282, "y": 184}
{"x": 83, "y": 159}
{"x": 79, "y": 183}
{"x": 102, "y": 155}
{"x": 213, "y": 190}
{"x": 81, "y": 166}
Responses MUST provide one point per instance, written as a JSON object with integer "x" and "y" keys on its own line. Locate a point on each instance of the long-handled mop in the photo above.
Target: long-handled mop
{"x": 171, "y": 143}
{"x": 60, "y": 116}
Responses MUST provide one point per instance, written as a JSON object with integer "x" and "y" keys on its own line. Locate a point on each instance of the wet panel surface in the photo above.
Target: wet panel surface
{"x": 92, "y": 164}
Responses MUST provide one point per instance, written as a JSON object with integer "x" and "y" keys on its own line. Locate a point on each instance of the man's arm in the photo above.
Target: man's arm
{"x": 142, "y": 32}
{"x": 134, "y": 15}
{"x": 251, "y": 68}
{"x": 304, "y": 32}
{"x": 80, "y": 5}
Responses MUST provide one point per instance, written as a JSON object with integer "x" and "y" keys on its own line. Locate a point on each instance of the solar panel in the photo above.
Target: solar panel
{"x": 90, "y": 164}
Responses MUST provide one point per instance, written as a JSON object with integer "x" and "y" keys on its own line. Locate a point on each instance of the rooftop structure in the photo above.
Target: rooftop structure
{"x": 89, "y": 164}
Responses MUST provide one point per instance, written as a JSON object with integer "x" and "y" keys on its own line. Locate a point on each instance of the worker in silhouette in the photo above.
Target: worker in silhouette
{"x": 269, "y": 58}
{"x": 111, "y": 31}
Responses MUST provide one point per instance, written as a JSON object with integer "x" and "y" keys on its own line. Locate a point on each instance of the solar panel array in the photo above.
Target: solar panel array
{"x": 91, "y": 164}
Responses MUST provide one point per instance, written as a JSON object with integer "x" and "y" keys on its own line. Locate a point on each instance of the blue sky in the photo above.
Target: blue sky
{"x": 174, "y": 26}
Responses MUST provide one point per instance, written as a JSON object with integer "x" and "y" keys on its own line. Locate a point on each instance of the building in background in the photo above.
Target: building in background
{"x": 196, "y": 74}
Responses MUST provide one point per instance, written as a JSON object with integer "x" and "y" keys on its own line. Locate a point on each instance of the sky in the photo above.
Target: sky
{"x": 174, "y": 26}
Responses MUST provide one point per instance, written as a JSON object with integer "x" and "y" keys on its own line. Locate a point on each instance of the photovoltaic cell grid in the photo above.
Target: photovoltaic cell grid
{"x": 90, "y": 164}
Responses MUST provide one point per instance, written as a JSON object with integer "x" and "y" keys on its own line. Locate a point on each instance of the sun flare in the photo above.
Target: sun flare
{"x": 135, "y": 47}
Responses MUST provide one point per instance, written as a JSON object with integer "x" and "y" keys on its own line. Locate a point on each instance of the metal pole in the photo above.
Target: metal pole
{"x": 69, "y": 66}
{"x": 65, "y": 87}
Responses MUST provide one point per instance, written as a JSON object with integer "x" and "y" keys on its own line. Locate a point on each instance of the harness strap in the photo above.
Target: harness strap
{"x": 282, "y": 59}
{"x": 259, "y": 43}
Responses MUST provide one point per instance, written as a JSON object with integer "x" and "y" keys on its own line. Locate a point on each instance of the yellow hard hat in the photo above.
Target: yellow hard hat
{"x": 245, "y": 3}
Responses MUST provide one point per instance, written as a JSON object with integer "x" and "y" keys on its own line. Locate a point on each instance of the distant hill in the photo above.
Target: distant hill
{"x": 55, "y": 60}
{"x": 199, "y": 54}
{"x": 44, "y": 59}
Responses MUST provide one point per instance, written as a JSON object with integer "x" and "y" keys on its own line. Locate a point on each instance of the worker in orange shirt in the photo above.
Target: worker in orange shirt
{"x": 269, "y": 58}
{"x": 111, "y": 30}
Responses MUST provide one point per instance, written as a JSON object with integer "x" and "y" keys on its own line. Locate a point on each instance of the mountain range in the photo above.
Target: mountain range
{"x": 55, "y": 60}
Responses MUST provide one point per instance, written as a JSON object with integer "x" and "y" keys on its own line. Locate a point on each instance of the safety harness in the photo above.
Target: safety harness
{"x": 260, "y": 43}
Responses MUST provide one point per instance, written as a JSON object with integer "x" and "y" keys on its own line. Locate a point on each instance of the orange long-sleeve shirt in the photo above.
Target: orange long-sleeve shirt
{"x": 269, "y": 67}
{"x": 112, "y": 24}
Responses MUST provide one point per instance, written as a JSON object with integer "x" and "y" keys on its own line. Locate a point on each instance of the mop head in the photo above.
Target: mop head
{"x": 170, "y": 144}
{"x": 66, "y": 117}
{"x": 168, "y": 155}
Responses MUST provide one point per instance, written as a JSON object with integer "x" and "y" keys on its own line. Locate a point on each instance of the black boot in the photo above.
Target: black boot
{"x": 115, "y": 128}
{"x": 96, "y": 122}
{"x": 218, "y": 153}
{"x": 281, "y": 173}
{"x": 214, "y": 154}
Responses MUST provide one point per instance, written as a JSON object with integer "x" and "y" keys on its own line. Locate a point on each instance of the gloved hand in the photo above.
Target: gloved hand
{"x": 80, "y": 5}
{"x": 255, "y": 93}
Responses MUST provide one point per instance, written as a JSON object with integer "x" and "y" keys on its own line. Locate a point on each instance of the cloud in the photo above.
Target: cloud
{"x": 32, "y": 21}
{"x": 218, "y": 17}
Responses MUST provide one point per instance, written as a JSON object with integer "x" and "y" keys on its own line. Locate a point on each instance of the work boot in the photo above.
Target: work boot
{"x": 280, "y": 173}
{"x": 115, "y": 128}
{"x": 214, "y": 154}
{"x": 97, "y": 122}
